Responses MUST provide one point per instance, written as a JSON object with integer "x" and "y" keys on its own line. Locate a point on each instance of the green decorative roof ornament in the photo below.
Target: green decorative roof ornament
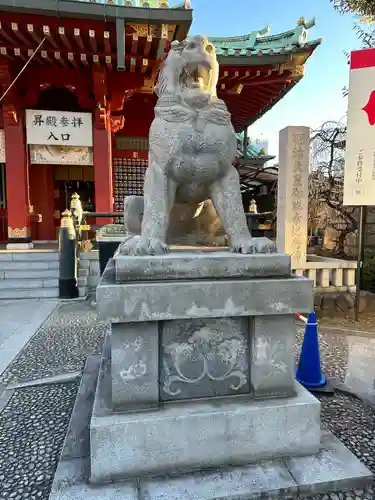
{"x": 150, "y": 4}
{"x": 186, "y": 4}
{"x": 252, "y": 151}
{"x": 262, "y": 43}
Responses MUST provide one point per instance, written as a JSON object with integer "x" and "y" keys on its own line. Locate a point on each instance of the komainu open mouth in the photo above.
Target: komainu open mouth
{"x": 196, "y": 76}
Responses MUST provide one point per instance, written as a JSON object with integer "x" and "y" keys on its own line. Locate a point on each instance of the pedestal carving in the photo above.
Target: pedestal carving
{"x": 203, "y": 358}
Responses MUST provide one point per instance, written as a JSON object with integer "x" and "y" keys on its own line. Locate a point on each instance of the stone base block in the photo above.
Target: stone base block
{"x": 20, "y": 246}
{"x": 138, "y": 301}
{"x": 333, "y": 468}
{"x": 200, "y": 264}
{"x": 199, "y": 434}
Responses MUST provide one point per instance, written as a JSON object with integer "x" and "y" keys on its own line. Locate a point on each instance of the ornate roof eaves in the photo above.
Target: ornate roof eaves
{"x": 256, "y": 40}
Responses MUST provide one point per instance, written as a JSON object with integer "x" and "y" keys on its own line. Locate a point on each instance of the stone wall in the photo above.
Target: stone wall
{"x": 332, "y": 232}
{"x": 333, "y": 304}
{"x": 88, "y": 270}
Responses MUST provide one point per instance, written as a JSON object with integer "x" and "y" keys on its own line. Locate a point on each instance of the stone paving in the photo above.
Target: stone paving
{"x": 19, "y": 320}
{"x": 34, "y": 421}
{"x": 32, "y": 431}
{"x": 62, "y": 345}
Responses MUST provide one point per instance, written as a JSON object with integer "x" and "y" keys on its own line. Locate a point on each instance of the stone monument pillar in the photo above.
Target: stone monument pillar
{"x": 292, "y": 193}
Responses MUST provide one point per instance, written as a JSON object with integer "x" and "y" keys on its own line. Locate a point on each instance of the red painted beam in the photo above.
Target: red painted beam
{"x": 133, "y": 64}
{"x": 21, "y": 37}
{"x": 84, "y": 60}
{"x": 59, "y": 59}
{"x": 35, "y": 58}
{"x": 134, "y": 47}
{"x": 71, "y": 60}
{"x": 64, "y": 38}
{"x": 32, "y": 33}
{"x": 92, "y": 39}
{"x": 45, "y": 57}
{"x": 78, "y": 39}
{"x": 18, "y": 53}
{"x": 4, "y": 52}
{"x": 5, "y": 35}
{"x": 148, "y": 44}
{"x": 108, "y": 61}
{"x": 107, "y": 42}
{"x": 144, "y": 65}
{"x": 47, "y": 32}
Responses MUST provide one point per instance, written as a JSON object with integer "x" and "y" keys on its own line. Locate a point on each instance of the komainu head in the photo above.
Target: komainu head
{"x": 190, "y": 71}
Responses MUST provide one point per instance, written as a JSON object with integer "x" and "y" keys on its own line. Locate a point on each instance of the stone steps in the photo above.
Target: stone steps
{"x": 29, "y": 293}
{"x": 27, "y": 282}
{"x": 38, "y": 274}
{"x": 32, "y": 274}
{"x": 29, "y": 256}
{"x": 28, "y": 265}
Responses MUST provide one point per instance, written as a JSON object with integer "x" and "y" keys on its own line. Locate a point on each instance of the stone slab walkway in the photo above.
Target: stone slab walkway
{"x": 19, "y": 321}
{"x": 64, "y": 340}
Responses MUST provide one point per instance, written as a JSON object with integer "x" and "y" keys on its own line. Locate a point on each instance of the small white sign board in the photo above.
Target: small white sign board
{"x": 58, "y": 128}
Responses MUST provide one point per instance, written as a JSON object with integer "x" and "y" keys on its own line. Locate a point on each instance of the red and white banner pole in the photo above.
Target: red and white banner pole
{"x": 302, "y": 318}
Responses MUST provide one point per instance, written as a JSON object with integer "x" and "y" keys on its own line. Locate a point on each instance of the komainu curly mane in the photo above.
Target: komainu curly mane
{"x": 192, "y": 146}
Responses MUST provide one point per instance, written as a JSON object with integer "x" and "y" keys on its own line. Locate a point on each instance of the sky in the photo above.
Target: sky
{"x": 318, "y": 96}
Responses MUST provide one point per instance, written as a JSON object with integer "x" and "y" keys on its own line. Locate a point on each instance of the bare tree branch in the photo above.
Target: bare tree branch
{"x": 326, "y": 182}
{"x": 362, "y": 7}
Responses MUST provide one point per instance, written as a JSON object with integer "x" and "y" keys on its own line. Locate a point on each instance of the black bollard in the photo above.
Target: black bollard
{"x": 68, "y": 258}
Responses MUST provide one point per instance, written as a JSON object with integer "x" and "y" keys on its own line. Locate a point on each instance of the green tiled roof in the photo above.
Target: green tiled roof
{"x": 262, "y": 43}
{"x": 252, "y": 151}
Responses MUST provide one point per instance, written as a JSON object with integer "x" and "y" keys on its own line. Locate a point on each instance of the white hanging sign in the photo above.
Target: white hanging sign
{"x": 359, "y": 175}
{"x": 58, "y": 128}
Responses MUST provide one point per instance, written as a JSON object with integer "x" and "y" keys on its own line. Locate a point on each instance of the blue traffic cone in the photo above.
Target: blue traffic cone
{"x": 309, "y": 372}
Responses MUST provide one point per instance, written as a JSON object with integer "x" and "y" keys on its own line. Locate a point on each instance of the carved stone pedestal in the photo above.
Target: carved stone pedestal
{"x": 198, "y": 340}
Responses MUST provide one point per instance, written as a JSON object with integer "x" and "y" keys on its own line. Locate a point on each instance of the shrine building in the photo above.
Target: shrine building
{"x": 77, "y": 81}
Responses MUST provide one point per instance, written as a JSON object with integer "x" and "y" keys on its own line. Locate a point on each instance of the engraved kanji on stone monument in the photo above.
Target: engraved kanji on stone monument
{"x": 292, "y": 204}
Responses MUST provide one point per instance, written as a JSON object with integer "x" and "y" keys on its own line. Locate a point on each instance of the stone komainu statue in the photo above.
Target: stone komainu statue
{"x": 191, "y": 149}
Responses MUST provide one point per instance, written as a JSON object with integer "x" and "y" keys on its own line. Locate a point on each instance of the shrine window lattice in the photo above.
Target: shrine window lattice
{"x": 128, "y": 179}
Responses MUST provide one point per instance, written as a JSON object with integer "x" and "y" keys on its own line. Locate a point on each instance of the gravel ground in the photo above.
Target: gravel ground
{"x": 346, "y": 416}
{"x": 34, "y": 423}
{"x": 334, "y": 353}
{"x": 32, "y": 430}
{"x": 61, "y": 345}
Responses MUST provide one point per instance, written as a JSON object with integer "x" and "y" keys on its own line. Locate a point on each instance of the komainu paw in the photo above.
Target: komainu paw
{"x": 245, "y": 246}
{"x": 150, "y": 246}
{"x": 128, "y": 245}
{"x": 253, "y": 245}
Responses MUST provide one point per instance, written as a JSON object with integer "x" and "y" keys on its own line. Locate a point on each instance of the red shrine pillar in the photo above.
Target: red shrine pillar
{"x": 42, "y": 199}
{"x": 103, "y": 166}
{"x": 17, "y": 179}
{"x": 102, "y": 147}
